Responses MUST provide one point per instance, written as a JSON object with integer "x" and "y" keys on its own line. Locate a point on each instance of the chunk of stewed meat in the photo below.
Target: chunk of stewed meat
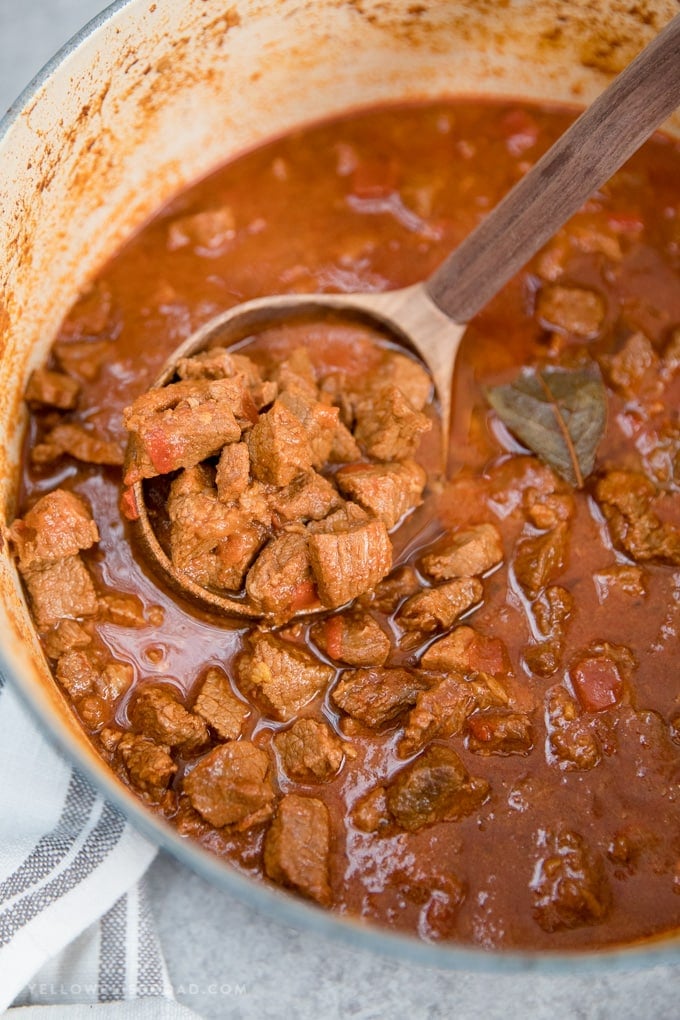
{"x": 551, "y": 611}
{"x": 547, "y": 510}
{"x": 146, "y": 765}
{"x": 178, "y": 426}
{"x": 387, "y": 491}
{"x": 572, "y": 743}
{"x": 232, "y": 785}
{"x": 219, "y": 363}
{"x": 347, "y": 563}
{"x": 466, "y": 553}
{"x": 59, "y": 525}
{"x": 539, "y": 559}
{"x": 392, "y": 590}
{"x": 623, "y": 578}
{"x": 52, "y": 389}
{"x": 354, "y": 638}
{"x": 212, "y": 542}
{"x": 500, "y": 732}
{"x": 280, "y": 581}
{"x": 310, "y": 752}
{"x": 77, "y": 441}
{"x": 439, "y": 608}
{"x": 370, "y": 813}
{"x": 387, "y": 425}
{"x": 76, "y": 672}
{"x": 297, "y": 847}
{"x": 439, "y": 711}
{"x": 409, "y": 377}
{"x": 83, "y": 359}
{"x": 219, "y": 707}
{"x": 310, "y": 497}
{"x": 569, "y": 886}
{"x": 48, "y": 541}
{"x": 60, "y": 589}
{"x": 575, "y": 310}
{"x": 66, "y": 636}
{"x": 279, "y": 446}
{"x": 436, "y": 787}
{"x": 377, "y": 696}
{"x": 233, "y": 472}
{"x": 468, "y": 651}
{"x": 210, "y": 229}
{"x": 626, "y": 370}
{"x": 158, "y": 713}
{"x": 625, "y": 500}
{"x": 281, "y": 676}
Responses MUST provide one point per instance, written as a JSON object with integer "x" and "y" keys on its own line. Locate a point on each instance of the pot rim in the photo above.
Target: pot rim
{"x": 282, "y": 907}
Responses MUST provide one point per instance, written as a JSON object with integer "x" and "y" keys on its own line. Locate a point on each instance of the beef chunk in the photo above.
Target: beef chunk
{"x": 551, "y": 613}
{"x": 439, "y": 608}
{"x": 210, "y": 230}
{"x": 122, "y": 608}
{"x": 219, "y": 707}
{"x": 572, "y": 744}
{"x": 624, "y": 498}
{"x": 409, "y": 376}
{"x": 59, "y": 525}
{"x": 468, "y": 651}
{"x": 621, "y": 577}
{"x": 548, "y": 509}
{"x": 344, "y": 447}
{"x": 600, "y": 674}
{"x": 387, "y": 595}
{"x": 387, "y": 491}
{"x": 233, "y": 472}
{"x": 280, "y": 581}
{"x": 76, "y": 673}
{"x": 180, "y": 425}
{"x": 219, "y": 363}
{"x": 212, "y": 542}
{"x": 147, "y": 766}
{"x": 354, "y": 638}
{"x": 569, "y": 885}
{"x": 158, "y": 713}
{"x": 370, "y": 813}
{"x": 232, "y": 785}
{"x": 540, "y": 558}
{"x": 297, "y": 847}
{"x": 310, "y": 752}
{"x": 310, "y": 497}
{"x": 78, "y": 442}
{"x": 296, "y": 374}
{"x": 500, "y": 732}
{"x": 440, "y": 711}
{"x": 377, "y": 696}
{"x": 575, "y": 310}
{"x": 60, "y": 589}
{"x": 114, "y": 680}
{"x": 295, "y": 435}
{"x": 388, "y": 427}
{"x": 281, "y": 676}
{"x": 67, "y": 636}
{"x": 52, "y": 389}
{"x": 84, "y": 671}
{"x": 436, "y": 787}
{"x": 466, "y": 553}
{"x": 83, "y": 358}
{"x": 48, "y": 541}
{"x": 345, "y": 564}
{"x": 626, "y": 370}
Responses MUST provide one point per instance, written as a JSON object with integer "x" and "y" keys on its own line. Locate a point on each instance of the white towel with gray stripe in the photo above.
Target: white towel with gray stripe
{"x": 74, "y": 921}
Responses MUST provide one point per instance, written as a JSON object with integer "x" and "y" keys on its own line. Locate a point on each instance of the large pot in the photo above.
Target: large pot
{"x": 151, "y": 96}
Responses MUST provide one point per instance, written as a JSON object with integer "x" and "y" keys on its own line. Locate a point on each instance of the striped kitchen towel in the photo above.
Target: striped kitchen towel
{"x": 74, "y": 921}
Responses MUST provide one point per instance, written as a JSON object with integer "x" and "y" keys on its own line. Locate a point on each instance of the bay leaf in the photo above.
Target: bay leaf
{"x": 559, "y": 414}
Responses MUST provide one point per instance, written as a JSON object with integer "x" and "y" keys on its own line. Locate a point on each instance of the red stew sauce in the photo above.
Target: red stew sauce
{"x": 483, "y": 747}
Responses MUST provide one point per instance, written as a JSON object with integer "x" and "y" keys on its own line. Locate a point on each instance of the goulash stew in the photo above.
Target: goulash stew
{"x": 475, "y": 735}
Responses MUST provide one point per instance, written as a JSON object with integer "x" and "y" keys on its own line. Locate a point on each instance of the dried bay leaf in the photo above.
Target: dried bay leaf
{"x": 559, "y": 414}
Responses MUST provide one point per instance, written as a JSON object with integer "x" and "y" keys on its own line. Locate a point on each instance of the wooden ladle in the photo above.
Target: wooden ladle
{"x": 431, "y": 316}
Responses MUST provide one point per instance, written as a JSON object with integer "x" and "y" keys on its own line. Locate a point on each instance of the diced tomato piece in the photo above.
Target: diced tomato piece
{"x": 304, "y": 597}
{"x": 333, "y": 633}
{"x": 128, "y": 504}
{"x": 597, "y": 684}
{"x": 161, "y": 451}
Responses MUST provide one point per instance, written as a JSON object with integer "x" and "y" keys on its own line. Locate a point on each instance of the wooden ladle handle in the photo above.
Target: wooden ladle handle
{"x": 586, "y": 156}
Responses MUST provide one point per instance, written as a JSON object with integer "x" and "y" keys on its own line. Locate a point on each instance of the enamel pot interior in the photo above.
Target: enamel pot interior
{"x": 152, "y": 96}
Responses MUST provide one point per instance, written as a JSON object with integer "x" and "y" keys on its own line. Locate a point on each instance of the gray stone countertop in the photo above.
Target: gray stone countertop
{"x": 226, "y": 962}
